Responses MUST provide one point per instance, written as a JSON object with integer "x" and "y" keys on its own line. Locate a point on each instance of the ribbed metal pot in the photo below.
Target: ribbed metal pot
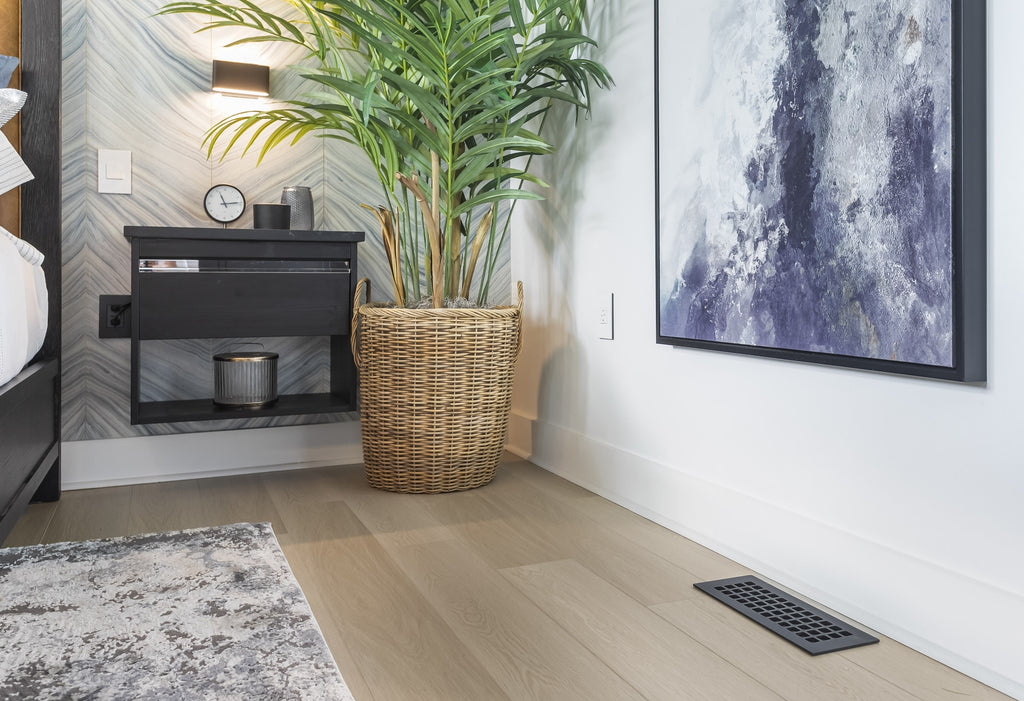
{"x": 245, "y": 379}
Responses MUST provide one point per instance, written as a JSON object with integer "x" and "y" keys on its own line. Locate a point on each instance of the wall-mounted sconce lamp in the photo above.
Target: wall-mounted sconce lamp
{"x": 241, "y": 79}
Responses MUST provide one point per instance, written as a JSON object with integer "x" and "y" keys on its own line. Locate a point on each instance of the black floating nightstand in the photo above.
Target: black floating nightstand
{"x": 230, "y": 283}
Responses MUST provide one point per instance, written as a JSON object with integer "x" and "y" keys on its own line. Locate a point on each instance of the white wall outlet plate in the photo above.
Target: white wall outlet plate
{"x": 606, "y": 317}
{"x": 114, "y": 171}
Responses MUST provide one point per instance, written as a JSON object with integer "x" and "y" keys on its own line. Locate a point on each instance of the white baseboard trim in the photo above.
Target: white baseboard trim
{"x": 520, "y": 435}
{"x": 895, "y": 593}
{"x": 121, "y": 461}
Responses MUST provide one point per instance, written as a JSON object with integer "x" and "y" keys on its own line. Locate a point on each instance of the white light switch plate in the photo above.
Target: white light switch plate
{"x": 114, "y": 171}
{"x": 606, "y": 317}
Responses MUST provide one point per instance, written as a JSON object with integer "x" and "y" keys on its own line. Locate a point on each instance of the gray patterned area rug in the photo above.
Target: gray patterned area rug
{"x": 211, "y": 613}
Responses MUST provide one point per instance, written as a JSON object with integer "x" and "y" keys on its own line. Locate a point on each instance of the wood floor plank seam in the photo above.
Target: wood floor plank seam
{"x": 458, "y": 536}
{"x": 391, "y": 638}
{"x": 719, "y": 655}
{"x": 600, "y": 548}
{"x": 594, "y": 634}
{"x": 572, "y": 507}
{"x": 775, "y": 662}
{"x": 522, "y": 607}
{"x": 918, "y": 696}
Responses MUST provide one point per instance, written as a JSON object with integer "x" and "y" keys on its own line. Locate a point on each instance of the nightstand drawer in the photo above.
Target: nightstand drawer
{"x": 232, "y": 304}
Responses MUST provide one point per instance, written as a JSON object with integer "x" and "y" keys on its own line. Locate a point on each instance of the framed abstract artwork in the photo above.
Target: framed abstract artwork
{"x": 821, "y": 186}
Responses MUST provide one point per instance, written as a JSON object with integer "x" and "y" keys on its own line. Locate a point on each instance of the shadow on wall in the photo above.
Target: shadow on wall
{"x": 554, "y": 224}
{"x": 563, "y": 388}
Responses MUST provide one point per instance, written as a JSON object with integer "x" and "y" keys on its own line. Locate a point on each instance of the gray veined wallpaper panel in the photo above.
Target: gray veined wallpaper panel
{"x": 77, "y": 353}
{"x": 137, "y": 82}
{"x": 142, "y": 92}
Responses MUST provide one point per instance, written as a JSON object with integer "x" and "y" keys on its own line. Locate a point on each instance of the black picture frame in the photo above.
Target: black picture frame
{"x": 966, "y": 361}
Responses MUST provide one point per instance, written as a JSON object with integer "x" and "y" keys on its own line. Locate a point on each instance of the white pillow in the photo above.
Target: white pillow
{"x": 31, "y": 254}
{"x": 11, "y": 101}
{"x": 13, "y": 171}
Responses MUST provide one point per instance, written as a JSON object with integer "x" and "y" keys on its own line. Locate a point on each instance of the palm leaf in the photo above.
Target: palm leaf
{"x": 444, "y": 91}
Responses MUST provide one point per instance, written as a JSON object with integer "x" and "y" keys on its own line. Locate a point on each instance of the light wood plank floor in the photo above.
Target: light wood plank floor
{"x": 528, "y": 588}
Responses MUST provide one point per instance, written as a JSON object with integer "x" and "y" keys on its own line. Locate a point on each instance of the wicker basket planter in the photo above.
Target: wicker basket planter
{"x": 436, "y": 392}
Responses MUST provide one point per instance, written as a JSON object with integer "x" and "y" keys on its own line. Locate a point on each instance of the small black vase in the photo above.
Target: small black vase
{"x": 271, "y": 216}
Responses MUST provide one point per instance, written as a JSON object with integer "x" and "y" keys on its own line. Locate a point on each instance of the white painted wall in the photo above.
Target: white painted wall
{"x": 895, "y": 500}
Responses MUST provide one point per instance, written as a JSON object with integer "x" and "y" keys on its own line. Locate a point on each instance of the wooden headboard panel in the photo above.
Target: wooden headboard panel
{"x": 10, "y": 45}
{"x": 40, "y": 147}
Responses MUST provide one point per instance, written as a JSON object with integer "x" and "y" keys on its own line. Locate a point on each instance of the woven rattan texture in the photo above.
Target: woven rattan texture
{"x": 436, "y": 391}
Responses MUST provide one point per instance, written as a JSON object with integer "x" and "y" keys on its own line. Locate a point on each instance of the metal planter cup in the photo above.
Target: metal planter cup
{"x": 245, "y": 379}
{"x": 301, "y": 201}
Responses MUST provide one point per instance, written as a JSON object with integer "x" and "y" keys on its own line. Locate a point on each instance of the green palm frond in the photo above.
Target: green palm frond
{"x": 441, "y": 91}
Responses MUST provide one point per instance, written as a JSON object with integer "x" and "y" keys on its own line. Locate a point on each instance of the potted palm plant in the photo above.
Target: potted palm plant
{"x": 447, "y": 99}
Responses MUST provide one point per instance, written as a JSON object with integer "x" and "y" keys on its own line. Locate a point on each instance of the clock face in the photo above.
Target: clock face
{"x": 224, "y": 203}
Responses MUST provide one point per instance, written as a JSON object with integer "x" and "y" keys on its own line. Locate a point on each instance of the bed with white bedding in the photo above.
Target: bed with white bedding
{"x": 30, "y": 299}
{"x": 23, "y": 304}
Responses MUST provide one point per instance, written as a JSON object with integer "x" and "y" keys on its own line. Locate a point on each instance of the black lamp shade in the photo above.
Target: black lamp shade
{"x": 247, "y": 79}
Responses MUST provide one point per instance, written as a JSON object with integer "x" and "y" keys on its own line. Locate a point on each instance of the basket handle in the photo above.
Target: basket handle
{"x": 519, "y": 341}
{"x": 364, "y": 283}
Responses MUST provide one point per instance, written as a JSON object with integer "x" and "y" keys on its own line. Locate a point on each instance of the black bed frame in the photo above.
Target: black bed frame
{"x": 30, "y": 403}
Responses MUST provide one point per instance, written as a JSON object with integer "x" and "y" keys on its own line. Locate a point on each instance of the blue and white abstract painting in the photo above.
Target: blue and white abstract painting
{"x": 805, "y": 176}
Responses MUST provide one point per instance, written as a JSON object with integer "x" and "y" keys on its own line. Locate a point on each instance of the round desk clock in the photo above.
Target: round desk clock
{"x": 224, "y": 203}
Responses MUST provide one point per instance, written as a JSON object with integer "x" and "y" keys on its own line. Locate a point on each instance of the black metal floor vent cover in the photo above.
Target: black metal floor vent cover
{"x": 803, "y": 625}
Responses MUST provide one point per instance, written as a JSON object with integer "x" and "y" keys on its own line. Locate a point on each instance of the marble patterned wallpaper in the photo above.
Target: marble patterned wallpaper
{"x": 141, "y": 83}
